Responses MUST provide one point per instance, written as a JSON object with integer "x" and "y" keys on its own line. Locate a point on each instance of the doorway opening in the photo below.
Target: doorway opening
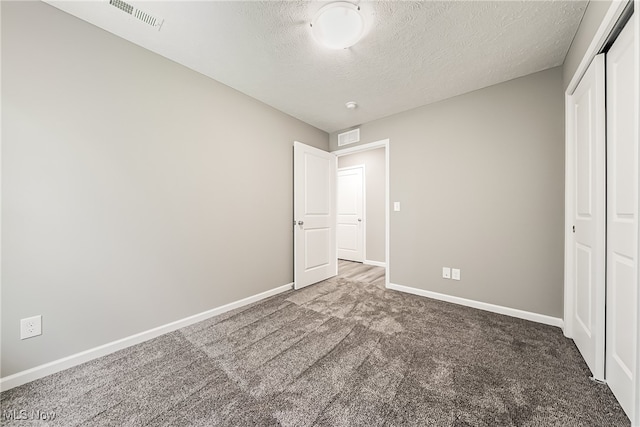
{"x": 351, "y": 203}
{"x": 362, "y": 189}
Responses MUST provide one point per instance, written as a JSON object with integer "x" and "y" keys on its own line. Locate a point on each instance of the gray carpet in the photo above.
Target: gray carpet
{"x": 337, "y": 353}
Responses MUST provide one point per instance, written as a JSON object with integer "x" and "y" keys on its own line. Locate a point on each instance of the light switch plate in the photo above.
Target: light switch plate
{"x": 455, "y": 274}
{"x": 396, "y": 206}
{"x": 446, "y": 273}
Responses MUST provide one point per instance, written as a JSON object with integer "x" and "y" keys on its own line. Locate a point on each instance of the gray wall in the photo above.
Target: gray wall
{"x": 374, "y": 161}
{"x": 136, "y": 192}
{"x": 480, "y": 178}
{"x": 596, "y": 10}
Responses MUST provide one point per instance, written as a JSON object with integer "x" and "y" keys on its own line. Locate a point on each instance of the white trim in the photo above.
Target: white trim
{"x": 568, "y": 218}
{"x": 375, "y": 263}
{"x": 41, "y": 371}
{"x": 384, "y": 143}
{"x": 635, "y": 419}
{"x": 346, "y": 168}
{"x": 507, "y": 311}
{"x": 597, "y": 43}
{"x": 387, "y": 200}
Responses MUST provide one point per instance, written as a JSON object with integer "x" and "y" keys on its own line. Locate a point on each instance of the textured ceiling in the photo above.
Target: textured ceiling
{"x": 414, "y": 53}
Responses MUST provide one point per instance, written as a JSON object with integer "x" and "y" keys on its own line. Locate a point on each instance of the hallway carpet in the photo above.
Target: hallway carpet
{"x": 338, "y": 353}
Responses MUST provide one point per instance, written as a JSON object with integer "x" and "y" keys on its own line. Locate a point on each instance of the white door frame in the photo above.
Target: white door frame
{"x": 636, "y": 16}
{"x": 363, "y": 224}
{"x": 611, "y": 17}
{"x": 384, "y": 143}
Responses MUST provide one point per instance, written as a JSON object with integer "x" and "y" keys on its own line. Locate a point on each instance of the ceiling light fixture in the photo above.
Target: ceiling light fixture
{"x": 338, "y": 25}
{"x": 351, "y": 105}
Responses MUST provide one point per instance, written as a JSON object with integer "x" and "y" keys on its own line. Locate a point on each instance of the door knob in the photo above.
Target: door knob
{"x": 300, "y": 222}
{"x": 359, "y": 219}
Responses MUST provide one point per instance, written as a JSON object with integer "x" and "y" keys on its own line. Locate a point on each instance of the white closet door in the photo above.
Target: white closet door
{"x": 622, "y": 220}
{"x": 350, "y": 213}
{"x": 587, "y": 105}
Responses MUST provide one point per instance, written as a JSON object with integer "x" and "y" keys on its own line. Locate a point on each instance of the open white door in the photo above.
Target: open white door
{"x": 314, "y": 210}
{"x": 587, "y": 106}
{"x": 622, "y": 220}
{"x": 350, "y": 215}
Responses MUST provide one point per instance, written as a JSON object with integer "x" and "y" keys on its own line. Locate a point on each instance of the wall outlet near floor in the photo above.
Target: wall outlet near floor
{"x": 446, "y": 273}
{"x": 455, "y": 273}
{"x": 30, "y": 327}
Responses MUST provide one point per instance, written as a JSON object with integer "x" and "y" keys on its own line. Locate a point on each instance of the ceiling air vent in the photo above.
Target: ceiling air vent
{"x": 137, "y": 13}
{"x": 350, "y": 137}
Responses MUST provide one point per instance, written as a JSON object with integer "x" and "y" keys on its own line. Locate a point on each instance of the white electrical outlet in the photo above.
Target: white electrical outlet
{"x": 455, "y": 274}
{"x": 446, "y": 273}
{"x": 30, "y": 327}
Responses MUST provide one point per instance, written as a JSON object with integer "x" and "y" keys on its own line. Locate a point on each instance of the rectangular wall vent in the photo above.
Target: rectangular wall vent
{"x": 349, "y": 137}
{"x": 145, "y": 17}
{"x": 137, "y": 13}
{"x": 126, "y": 7}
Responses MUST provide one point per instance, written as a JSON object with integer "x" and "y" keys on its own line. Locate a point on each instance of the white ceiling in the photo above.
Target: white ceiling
{"x": 414, "y": 53}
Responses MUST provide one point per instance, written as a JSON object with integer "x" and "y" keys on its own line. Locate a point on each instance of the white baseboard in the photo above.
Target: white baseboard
{"x": 513, "y": 312}
{"x": 375, "y": 263}
{"x": 41, "y": 371}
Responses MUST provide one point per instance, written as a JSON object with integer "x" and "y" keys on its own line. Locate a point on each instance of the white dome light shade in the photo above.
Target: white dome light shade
{"x": 338, "y": 25}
